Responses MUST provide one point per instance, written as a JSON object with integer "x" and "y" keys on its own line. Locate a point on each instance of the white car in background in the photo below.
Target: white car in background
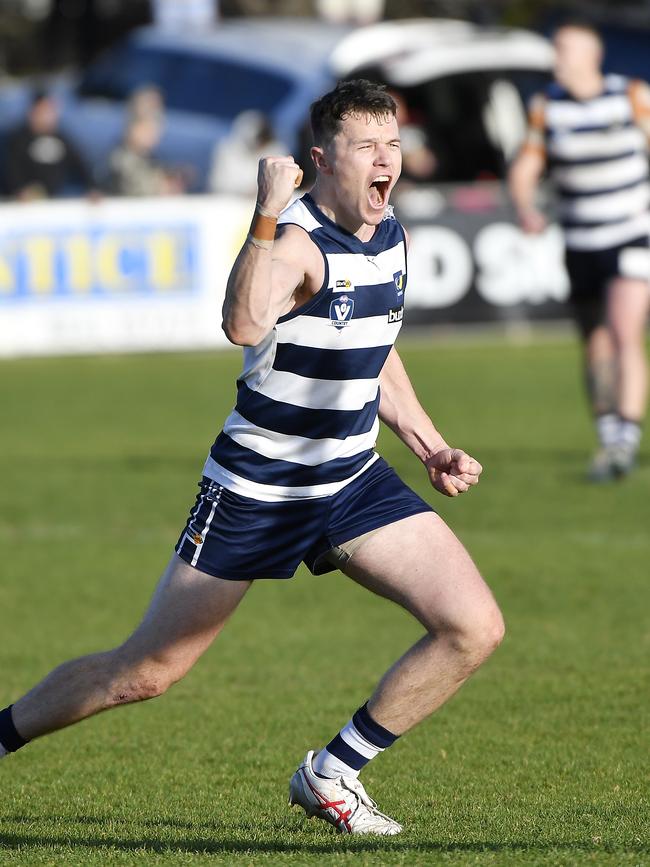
{"x": 463, "y": 90}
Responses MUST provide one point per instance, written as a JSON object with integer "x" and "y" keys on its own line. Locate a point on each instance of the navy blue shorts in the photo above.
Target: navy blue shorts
{"x": 590, "y": 272}
{"x": 238, "y": 538}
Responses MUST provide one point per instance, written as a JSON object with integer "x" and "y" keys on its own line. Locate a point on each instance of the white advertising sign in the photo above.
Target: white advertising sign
{"x": 116, "y": 275}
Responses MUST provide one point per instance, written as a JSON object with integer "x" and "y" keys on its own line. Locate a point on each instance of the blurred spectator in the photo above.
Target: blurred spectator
{"x": 134, "y": 170}
{"x": 181, "y": 14}
{"x": 419, "y": 162}
{"x": 41, "y": 162}
{"x": 146, "y": 101}
{"x": 235, "y": 159}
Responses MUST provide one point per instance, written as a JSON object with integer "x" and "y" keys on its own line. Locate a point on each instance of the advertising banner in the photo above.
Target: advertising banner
{"x": 469, "y": 262}
{"x": 116, "y": 275}
{"x": 122, "y": 275}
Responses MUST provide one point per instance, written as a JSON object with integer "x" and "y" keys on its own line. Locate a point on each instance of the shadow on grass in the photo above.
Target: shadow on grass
{"x": 222, "y": 844}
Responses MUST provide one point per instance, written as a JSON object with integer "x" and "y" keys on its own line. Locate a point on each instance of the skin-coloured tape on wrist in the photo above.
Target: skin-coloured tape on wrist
{"x": 263, "y": 227}
{"x": 261, "y": 245}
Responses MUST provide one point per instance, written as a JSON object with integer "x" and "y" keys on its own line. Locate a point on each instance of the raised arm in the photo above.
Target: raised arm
{"x": 527, "y": 169}
{"x": 270, "y": 271}
{"x": 451, "y": 471}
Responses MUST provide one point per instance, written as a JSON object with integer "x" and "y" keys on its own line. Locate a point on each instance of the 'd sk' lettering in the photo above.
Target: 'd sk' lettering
{"x": 341, "y": 311}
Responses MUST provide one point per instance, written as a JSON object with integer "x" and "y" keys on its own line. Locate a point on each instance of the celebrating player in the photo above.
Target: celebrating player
{"x": 315, "y": 297}
{"x": 593, "y": 131}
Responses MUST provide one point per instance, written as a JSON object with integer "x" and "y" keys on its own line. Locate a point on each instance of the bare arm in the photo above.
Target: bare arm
{"x": 527, "y": 169}
{"x": 451, "y": 471}
{"x": 270, "y": 272}
{"x": 639, "y": 93}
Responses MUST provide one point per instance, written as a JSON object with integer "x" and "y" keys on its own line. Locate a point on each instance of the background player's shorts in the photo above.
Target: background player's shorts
{"x": 239, "y": 538}
{"x": 590, "y": 272}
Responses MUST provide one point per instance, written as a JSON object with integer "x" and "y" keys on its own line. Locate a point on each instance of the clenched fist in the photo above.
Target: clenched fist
{"x": 452, "y": 471}
{"x": 277, "y": 178}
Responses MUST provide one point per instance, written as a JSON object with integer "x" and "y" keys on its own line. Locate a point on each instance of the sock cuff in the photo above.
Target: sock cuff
{"x": 632, "y": 421}
{"x": 371, "y": 730}
{"x": 346, "y": 754}
{"x": 10, "y": 739}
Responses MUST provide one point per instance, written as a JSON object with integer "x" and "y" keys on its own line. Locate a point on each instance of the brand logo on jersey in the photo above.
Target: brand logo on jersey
{"x": 344, "y": 284}
{"x": 398, "y": 277}
{"x": 395, "y": 314}
{"x": 341, "y": 311}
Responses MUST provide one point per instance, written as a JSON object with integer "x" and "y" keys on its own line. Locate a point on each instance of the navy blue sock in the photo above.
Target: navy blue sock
{"x": 9, "y": 737}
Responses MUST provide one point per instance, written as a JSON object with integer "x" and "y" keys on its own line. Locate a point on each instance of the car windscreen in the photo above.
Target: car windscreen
{"x": 478, "y": 120}
{"x": 473, "y": 122}
{"x": 217, "y": 86}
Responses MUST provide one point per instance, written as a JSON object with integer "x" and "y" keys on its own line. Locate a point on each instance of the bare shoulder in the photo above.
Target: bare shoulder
{"x": 294, "y": 246}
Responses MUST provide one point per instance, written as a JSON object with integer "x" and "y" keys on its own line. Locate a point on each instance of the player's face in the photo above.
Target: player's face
{"x": 577, "y": 53}
{"x": 365, "y": 163}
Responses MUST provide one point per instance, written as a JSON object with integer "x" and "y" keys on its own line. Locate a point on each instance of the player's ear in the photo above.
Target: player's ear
{"x": 321, "y": 161}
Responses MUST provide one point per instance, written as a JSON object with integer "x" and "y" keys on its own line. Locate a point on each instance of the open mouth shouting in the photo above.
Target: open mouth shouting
{"x": 378, "y": 192}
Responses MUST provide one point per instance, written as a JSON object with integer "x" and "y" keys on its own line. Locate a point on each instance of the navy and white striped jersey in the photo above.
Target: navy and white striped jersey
{"x": 598, "y": 159}
{"x": 306, "y": 419}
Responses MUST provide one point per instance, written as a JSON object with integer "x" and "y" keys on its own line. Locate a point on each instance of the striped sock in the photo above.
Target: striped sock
{"x": 353, "y": 747}
{"x": 608, "y": 426}
{"x": 629, "y": 433}
{"x": 10, "y": 740}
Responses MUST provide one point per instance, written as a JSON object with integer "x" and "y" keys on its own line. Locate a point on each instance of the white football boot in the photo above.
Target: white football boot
{"x": 343, "y": 802}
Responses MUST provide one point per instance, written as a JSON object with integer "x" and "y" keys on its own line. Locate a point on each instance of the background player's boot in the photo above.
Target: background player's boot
{"x": 601, "y": 468}
{"x": 624, "y": 460}
{"x": 342, "y": 802}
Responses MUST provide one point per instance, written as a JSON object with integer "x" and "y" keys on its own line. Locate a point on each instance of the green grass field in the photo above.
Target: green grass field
{"x": 541, "y": 759}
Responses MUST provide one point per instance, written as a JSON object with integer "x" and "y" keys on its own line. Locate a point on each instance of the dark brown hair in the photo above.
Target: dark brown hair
{"x": 355, "y": 97}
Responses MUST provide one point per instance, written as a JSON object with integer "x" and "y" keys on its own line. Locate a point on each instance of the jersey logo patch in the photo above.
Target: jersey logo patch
{"x": 398, "y": 277}
{"x": 344, "y": 284}
{"x": 396, "y": 314}
{"x": 341, "y": 310}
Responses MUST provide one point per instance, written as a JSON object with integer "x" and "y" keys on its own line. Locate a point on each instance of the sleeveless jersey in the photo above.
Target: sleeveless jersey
{"x": 306, "y": 419}
{"x": 598, "y": 160}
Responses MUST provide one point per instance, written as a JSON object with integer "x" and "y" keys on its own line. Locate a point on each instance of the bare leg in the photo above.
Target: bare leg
{"x": 187, "y": 612}
{"x": 601, "y": 371}
{"x": 421, "y": 565}
{"x": 628, "y": 305}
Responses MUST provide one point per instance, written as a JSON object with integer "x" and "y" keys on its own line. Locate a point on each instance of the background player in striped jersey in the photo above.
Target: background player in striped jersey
{"x": 592, "y": 131}
{"x": 293, "y": 476}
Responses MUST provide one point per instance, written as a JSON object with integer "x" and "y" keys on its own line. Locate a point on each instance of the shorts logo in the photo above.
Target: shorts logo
{"x": 398, "y": 277}
{"x": 197, "y": 538}
{"x": 213, "y": 492}
{"x": 341, "y": 310}
{"x": 344, "y": 284}
{"x": 396, "y": 314}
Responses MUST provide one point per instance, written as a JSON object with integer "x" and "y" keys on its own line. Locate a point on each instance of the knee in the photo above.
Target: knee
{"x": 477, "y": 638}
{"x": 139, "y": 681}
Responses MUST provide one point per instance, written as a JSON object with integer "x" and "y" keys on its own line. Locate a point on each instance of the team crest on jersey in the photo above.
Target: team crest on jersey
{"x": 398, "y": 277}
{"x": 341, "y": 310}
